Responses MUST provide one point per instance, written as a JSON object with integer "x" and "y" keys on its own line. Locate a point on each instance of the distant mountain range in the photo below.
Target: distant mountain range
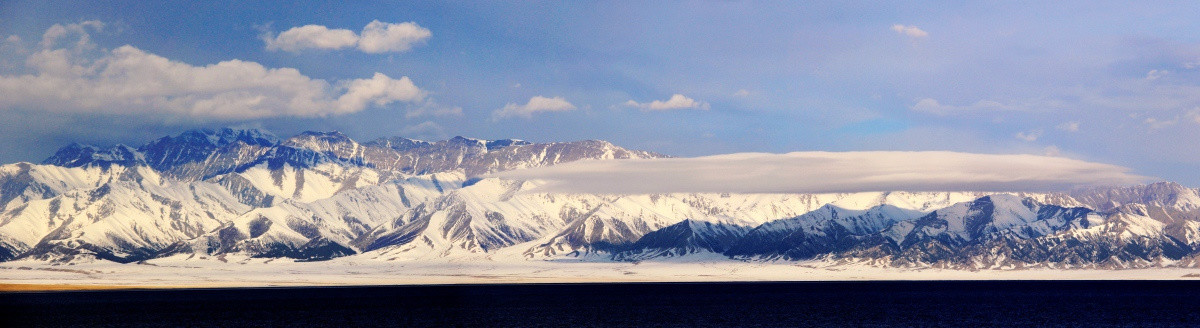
{"x": 320, "y": 195}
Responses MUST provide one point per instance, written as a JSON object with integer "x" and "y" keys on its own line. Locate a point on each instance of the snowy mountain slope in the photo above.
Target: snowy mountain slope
{"x": 192, "y": 155}
{"x": 683, "y": 238}
{"x": 1009, "y": 232}
{"x": 1092, "y": 240}
{"x": 490, "y": 214}
{"x": 319, "y": 195}
{"x": 485, "y": 216}
{"x": 23, "y": 182}
{"x": 76, "y": 155}
{"x": 825, "y": 219}
{"x": 990, "y": 215}
{"x": 476, "y": 157}
{"x": 203, "y": 154}
{"x": 535, "y": 155}
{"x": 1162, "y": 194}
{"x": 318, "y": 229}
{"x": 472, "y": 156}
{"x": 118, "y": 221}
{"x": 818, "y": 232}
{"x": 199, "y": 154}
{"x": 312, "y": 193}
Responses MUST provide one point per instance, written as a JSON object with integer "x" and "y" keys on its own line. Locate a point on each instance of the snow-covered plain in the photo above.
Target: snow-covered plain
{"x": 179, "y": 272}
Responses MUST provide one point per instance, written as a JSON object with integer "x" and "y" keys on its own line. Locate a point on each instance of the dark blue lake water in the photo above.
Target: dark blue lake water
{"x": 819, "y": 304}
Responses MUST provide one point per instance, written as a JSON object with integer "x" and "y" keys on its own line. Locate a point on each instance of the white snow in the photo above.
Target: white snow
{"x": 233, "y": 271}
{"x": 493, "y": 230}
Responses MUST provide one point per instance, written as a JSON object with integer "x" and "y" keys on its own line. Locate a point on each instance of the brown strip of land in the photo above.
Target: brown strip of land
{"x": 58, "y": 287}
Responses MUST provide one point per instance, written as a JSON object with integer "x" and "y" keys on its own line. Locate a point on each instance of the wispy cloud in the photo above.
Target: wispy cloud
{"x": 1072, "y": 126}
{"x": 13, "y": 40}
{"x": 826, "y": 172}
{"x": 677, "y": 101}
{"x": 1030, "y": 136}
{"x": 1151, "y": 93}
{"x": 433, "y": 108}
{"x": 1155, "y": 74}
{"x": 932, "y": 106}
{"x": 537, "y": 104}
{"x": 1156, "y": 123}
{"x": 80, "y": 31}
{"x": 427, "y": 130}
{"x": 376, "y": 37}
{"x": 910, "y": 31}
{"x": 63, "y": 77}
{"x": 1052, "y": 151}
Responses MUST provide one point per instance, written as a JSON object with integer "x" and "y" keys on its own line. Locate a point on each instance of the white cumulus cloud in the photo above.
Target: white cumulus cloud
{"x": 312, "y": 37}
{"x": 79, "y": 30}
{"x": 677, "y": 101}
{"x": 376, "y": 37}
{"x": 128, "y": 80}
{"x": 910, "y": 31}
{"x": 825, "y": 172}
{"x": 379, "y": 90}
{"x": 380, "y": 37}
{"x": 535, "y": 105}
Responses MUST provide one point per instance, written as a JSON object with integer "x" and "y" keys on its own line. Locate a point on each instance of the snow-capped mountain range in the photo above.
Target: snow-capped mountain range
{"x": 320, "y": 195}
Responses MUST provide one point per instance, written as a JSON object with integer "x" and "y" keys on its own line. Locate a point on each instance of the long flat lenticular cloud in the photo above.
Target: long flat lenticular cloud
{"x": 826, "y": 172}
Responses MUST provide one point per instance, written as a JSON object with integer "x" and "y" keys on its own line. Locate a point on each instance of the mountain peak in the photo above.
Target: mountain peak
{"x": 203, "y": 153}
{"x": 77, "y": 155}
{"x": 323, "y": 134}
{"x": 1008, "y": 200}
{"x": 251, "y": 136}
{"x": 1168, "y": 194}
{"x": 197, "y": 145}
{"x": 221, "y": 137}
{"x": 501, "y": 143}
{"x": 466, "y": 141}
{"x": 398, "y": 143}
{"x": 309, "y": 139}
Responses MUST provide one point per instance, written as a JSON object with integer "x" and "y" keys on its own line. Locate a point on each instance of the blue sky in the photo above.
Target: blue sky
{"x": 1106, "y": 82}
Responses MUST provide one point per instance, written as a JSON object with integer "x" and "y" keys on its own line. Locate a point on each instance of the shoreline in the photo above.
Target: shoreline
{"x": 10, "y": 288}
{"x": 32, "y": 276}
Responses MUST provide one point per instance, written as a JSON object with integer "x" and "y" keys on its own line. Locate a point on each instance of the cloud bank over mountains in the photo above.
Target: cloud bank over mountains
{"x": 827, "y": 172}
